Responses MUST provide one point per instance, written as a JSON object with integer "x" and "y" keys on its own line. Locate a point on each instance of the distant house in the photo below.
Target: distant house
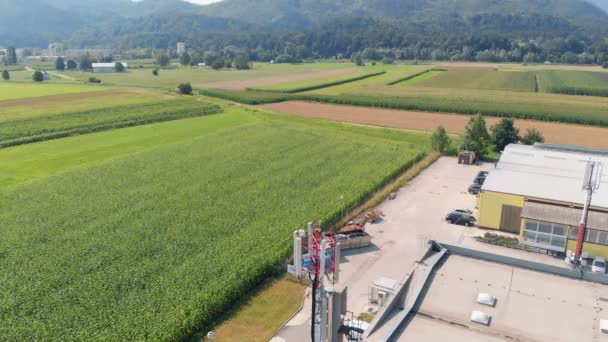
{"x": 100, "y": 68}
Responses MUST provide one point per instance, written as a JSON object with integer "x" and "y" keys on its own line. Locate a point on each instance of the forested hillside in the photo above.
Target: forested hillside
{"x": 569, "y": 31}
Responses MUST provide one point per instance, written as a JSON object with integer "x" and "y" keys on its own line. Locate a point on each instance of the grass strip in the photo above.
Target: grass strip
{"x": 321, "y": 85}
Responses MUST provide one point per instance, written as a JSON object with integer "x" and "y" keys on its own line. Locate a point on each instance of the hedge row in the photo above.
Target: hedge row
{"x": 579, "y": 91}
{"x": 319, "y": 86}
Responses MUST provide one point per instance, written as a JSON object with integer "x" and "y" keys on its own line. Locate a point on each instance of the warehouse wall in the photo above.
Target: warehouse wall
{"x": 490, "y": 207}
{"x": 591, "y": 248}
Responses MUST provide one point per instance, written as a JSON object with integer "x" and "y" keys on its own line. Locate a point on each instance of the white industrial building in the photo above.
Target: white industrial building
{"x": 181, "y": 48}
{"x": 101, "y": 68}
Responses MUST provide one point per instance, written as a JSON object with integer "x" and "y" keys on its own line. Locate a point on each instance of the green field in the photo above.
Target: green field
{"x": 60, "y": 104}
{"x": 419, "y": 78}
{"x": 170, "y": 78}
{"x": 392, "y": 74}
{"x": 151, "y": 243}
{"x": 46, "y": 127}
{"x": 574, "y": 82}
{"x": 13, "y": 90}
{"x": 479, "y": 78}
{"x": 318, "y": 82}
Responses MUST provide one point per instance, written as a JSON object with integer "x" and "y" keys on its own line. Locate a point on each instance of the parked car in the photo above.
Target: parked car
{"x": 463, "y": 219}
{"x": 474, "y": 189}
{"x": 462, "y": 210}
{"x": 479, "y": 180}
{"x": 599, "y": 265}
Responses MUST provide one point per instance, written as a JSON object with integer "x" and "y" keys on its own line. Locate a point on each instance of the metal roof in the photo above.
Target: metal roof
{"x": 108, "y": 65}
{"x": 564, "y": 215}
{"x": 386, "y": 283}
{"x": 552, "y": 173}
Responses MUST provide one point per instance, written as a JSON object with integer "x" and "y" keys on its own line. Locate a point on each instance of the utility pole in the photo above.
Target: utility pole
{"x": 591, "y": 183}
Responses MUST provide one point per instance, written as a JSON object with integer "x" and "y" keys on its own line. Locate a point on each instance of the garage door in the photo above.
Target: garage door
{"x": 510, "y": 219}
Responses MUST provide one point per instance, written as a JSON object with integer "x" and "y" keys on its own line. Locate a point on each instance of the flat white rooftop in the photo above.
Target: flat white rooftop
{"x": 547, "y": 173}
{"x": 530, "y": 306}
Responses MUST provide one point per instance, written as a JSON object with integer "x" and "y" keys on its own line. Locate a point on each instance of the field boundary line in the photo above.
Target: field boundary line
{"x": 319, "y": 86}
{"x": 304, "y": 296}
{"x": 407, "y": 78}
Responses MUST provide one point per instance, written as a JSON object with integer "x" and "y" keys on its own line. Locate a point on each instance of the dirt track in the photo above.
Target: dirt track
{"x": 268, "y": 80}
{"x": 554, "y": 132}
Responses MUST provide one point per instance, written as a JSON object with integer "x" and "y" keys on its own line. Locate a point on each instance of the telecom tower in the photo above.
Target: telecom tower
{"x": 591, "y": 183}
{"x": 317, "y": 256}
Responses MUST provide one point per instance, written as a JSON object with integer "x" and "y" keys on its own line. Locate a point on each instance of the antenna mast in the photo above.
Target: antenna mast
{"x": 591, "y": 183}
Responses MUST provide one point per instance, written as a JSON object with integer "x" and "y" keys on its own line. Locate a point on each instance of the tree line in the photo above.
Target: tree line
{"x": 478, "y": 139}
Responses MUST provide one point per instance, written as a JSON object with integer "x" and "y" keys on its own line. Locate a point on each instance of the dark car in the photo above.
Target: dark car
{"x": 474, "y": 189}
{"x": 482, "y": 173}
{"x": 460, "y": 218}
{"x": 479, "y": 180}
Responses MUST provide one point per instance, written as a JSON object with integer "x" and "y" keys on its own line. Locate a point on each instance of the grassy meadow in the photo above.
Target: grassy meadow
{"x": 170, "y": 78}
{"x": 144, "y": 245}
{"x": 14, "y": 90}
{"x": 574, "y": 82}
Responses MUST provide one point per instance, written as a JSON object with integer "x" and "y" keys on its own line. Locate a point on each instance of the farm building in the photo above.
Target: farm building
{"x": 536, "y": 192}
{"x": 107, "y": 67}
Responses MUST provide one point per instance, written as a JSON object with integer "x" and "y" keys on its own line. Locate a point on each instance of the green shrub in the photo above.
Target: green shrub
{"x": 185, "y": 88}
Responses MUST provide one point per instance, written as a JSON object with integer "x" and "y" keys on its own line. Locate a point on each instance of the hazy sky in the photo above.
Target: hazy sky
{"x": 203, "y": 2}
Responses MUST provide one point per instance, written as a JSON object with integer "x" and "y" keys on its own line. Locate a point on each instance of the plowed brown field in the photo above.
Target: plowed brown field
{"x": 556, "y": 133}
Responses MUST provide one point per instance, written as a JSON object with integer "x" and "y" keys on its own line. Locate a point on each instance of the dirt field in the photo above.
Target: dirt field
{"x": 554, "y": 132}
{"x": 268, "y": 80}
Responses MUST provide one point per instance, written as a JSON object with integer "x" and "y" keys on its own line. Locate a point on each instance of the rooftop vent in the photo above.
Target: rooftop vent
{"x": 486, "y": 299}
{"x": 480, "y": 317}
{"x": 604, "y": 326}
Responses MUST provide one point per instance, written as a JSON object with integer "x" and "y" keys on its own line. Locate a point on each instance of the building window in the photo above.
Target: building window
{"x": 598, "y": 237}
{"x": 545, "y": 235}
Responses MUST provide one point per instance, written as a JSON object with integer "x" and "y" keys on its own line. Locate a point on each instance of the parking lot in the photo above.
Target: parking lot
{"x": 413, "y": 218}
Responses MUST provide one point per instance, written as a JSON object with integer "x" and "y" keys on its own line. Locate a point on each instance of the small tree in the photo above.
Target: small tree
{"x": 60, "y": 64}
{"x": 119, "y": 67}
{"x": 185, "y": 88}
{"x": 532, "y": 136}
{"x": 440, "y": 140}
{"x": 163, "y": 60}
{"x": 218, "y": 64}
{"x": 5, "y": 75}
{"x": 86, "y": 63}
{"x": 71, "y": 65}
{"x": 388, "y": 61}
{"x": 37, "y": 76}
{"x": 241, "y": 61}
{"x": 155, "y": 72}
{"x": 503, "y": 134}
{"x": 185, "y": 59}
{"x": 476, "y": 137}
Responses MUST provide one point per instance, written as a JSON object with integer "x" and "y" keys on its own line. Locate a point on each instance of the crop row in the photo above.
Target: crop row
{"x": 579, "y": 91}
{"x": 424, "y": 103}
{"x": 104, "y": 253}
{"x": 409, "y": 77}
{"x": 17, "y": 132}
{"x": 320, "y": 85}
